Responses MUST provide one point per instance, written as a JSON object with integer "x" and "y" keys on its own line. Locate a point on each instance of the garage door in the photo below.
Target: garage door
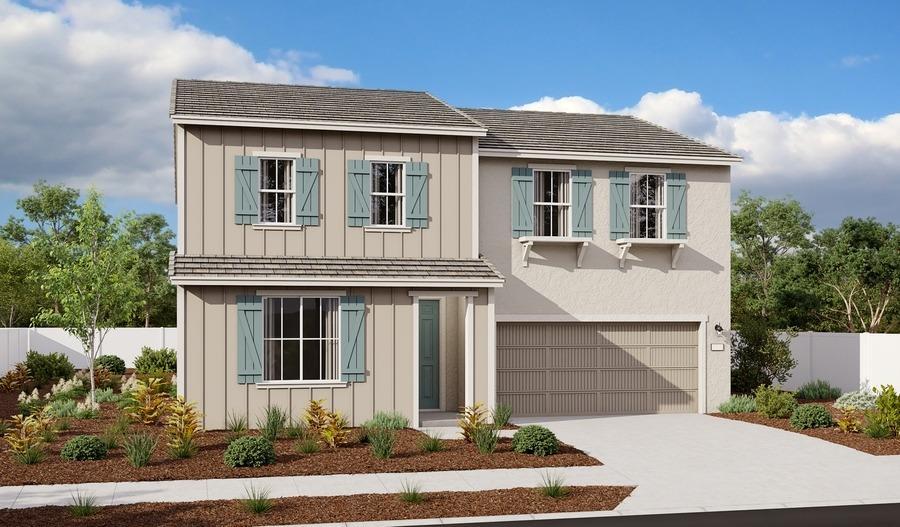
{"x": 594, "y": 368}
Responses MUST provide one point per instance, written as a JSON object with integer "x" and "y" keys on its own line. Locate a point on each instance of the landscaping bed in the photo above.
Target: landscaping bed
{"x": 304, "y": 509}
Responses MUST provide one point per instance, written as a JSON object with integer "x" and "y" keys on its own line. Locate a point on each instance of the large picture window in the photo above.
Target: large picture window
{"x": 276, "y": 191}
{"x": 302, "y": 339}
{"x": 648, "y": 205}
{"x": 551, "y": 203}
{"x": 387, "y": 194}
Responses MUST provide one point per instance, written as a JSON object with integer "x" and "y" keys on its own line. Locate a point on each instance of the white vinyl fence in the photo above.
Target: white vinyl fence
{"x": 846, "y": 360}
{"x": 125, "y": 343}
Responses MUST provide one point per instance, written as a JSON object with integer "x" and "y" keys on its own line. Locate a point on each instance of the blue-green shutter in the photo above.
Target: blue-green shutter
{"x": 307, "y": 181}
{"x": 522, "y": 202}
{"x": 582, "y": 204}
{"x": 359, "y": 193}
{"x": 676, "y": 206}
{"x": 246, "y": 190}
{"x": 417, "y": 194}
{"x": 619, "y": 204}
{"x": 353, "y": 339}
{"x": 249, "y": 339}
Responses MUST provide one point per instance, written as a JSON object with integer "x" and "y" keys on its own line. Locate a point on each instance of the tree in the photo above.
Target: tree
{"x": 51, "y": 210}
{"x": 151, "y": 239}
{"x": 20, "y": 295}
{"x": 93, "y": 281}
{"x": 759, "y": 355}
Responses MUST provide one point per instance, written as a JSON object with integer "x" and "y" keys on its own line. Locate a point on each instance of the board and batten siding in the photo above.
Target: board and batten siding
{"x": 210, "y": 339}
{"x": 208, "y": 194}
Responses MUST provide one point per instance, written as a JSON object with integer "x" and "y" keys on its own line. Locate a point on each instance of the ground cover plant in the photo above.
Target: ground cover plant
{"x": 811, "y": 416}
{"x": 818, "y": 390}
{"x": 738, "y": 404}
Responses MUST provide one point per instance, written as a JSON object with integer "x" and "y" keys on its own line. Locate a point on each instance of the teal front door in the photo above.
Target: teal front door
{"x": 429, "y": 355}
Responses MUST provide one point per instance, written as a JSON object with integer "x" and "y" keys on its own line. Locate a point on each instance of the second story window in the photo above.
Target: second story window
{"x": 387, "y": 194}
{"x": 276, "y": 191}
{"x": 648, "y": 206}
{"x": 551, "y": 203}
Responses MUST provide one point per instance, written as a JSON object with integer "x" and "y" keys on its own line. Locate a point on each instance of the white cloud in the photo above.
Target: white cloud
{"x": 572, "y": 103}
{"x": 836, "y": 164}
{"x": 852, "y": 61}
{"x": 86, "y": 91}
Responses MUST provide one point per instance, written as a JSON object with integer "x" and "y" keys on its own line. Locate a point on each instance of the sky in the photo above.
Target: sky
{"x": 807, "y": 92}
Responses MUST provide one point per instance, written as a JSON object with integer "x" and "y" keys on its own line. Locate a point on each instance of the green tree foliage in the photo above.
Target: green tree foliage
{"x": 151, "y": 239}
{"x": 51, "y": 211}
{"x": 20, "y": 295}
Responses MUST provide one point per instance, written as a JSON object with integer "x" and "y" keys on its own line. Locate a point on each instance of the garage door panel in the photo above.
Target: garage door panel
{"x": 573, "y": 403}
{"x": 525, "y": 403}
{"x": 682, "y": 356}
{"x": 520, "y": 358}
{"x": 622, "y": 334}
{"x": 585, "y": 357}
{"x": 522, "y": 380}
{"x": 618, "y": 380}
{"x": 610, "y": 357}
{"x": 673, "y": 334}
{"x": 622, "y": 402}
{"x": 670, "y": 402}
{"x": 672, "y": 379}
{"x": 571, "y": 380}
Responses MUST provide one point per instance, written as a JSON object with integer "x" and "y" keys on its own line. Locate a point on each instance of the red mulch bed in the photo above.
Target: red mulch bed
{"x": 305, "y": 509}
{"x": 9, "y": 404}
{"x": 858, "y": 441}
{"x": 354, "y": 458}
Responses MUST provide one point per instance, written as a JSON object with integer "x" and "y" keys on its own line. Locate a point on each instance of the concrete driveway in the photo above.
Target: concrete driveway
{"x": 684, "y": 463}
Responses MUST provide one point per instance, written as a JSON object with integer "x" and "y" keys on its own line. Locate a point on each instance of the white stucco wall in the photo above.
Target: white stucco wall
{"x": 647, "y": 287}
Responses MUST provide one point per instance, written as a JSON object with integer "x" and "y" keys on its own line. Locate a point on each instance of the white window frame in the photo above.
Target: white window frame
{"x": 292, "y": 174}
{"x": 401, "y": 195}
{"x": 337, "y": 358}
{"x": 664, "y": 227}
{"x": 567, "y": 204}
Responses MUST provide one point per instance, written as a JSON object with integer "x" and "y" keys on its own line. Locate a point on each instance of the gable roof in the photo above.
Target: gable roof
{"x": 592, "y": 133}
{"x": 286, "y": 103}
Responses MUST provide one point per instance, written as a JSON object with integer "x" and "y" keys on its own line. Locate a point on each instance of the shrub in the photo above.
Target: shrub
{"x": 862, "y": 399}
{"x": 236, "y": 426}
{"x": 154, "y": 361}
{"x": 103, "y": 378}
{"x": 811, "y": 416}
{"x": 431, "y": 443}
{"x": 62, "y": 408}
{"x": 307, "y": 446}
{"x": 818, "y": 390}
{"x": 486, "y": 438}
{"x": 387, "y": 420}
{"x": 774, "y": 403}
{"x": 887, "y": 409}
{"x": 738, "y": 404}
{"x": 249, "y": 451}
{"x": 111, "y": 437}
{"x": 535, "y": 439}
{"x": 849, "y": 421}
{"x": 30, "y": 403}
{"x": 106, "y": 395}
{"x": 875, "y": 427}
{"x": 257, "y": 500}
{"x": 411, "y": 492}
{"x": 83, "y": 505}
{"x": 759, "y": 355}
{"x": 273, "y": 423}
{"x": 112, "y": 363}
{"x": 381, "y": 442}
{"x": 86, "y": 410}
{"x": 315, "y": 416}
{"x": 84, "y": 448}
{"x": 63, "y": 424}
{"x": 552, "y": 486}
{"x": 182, "y": 427}
{"x": 139, "y": 449}
{"x": 49, "y": 367}
{"x": 296, "y": 430}
{"x": 68, "y": 389}
{"x": 17, "y": 379}
{"x": 330, "y": 427}
{"x": 472, "y": 418}
{"x": 501, "y": 414}
{"x": 147, "y": 401}
{"x": 24, "y": 439}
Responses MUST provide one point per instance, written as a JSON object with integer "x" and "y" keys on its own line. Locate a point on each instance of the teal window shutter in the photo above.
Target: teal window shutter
{"x": 359, "y": 193}
{"x": 522, "y": 202}
{"x": 246, "y": 190}
{"x": 249, "y": 339}
{"x": 417, "y": 194}
{"x": 307, "y": 182}
{"x": 353, "y": 339}
{"x": 619, "y": 204}
{"x": 582, "y": 204}
{"x": 676, "y": 206}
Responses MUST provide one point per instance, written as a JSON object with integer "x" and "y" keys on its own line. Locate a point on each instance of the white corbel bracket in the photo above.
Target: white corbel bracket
{"x": 581, "y": 245}
{"x": 625, "y": 245}
{"x": 623, "y": 253}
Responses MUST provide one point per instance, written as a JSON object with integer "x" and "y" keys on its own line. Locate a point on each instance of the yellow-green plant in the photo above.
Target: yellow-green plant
{"x": 182, "y": 427}
{"x": 849, "y": 421}
{"x": 148, "y": 401}
{"x": 472, "y": 418}
{"x": 316, "y": 416}
{"x": 24, "y": 439}
{"x": 335, "y": 431}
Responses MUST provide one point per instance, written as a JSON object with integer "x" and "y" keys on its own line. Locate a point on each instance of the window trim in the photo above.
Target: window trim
{"x": 664, "y": 230}
{"x": 566, "y": 204}
{"x": 293, "y": 191}
{"x": 300, "y": 382}
{"x": 402, "y": 195}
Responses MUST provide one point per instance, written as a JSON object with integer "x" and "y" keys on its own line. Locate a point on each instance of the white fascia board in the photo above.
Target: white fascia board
{"x": 342, "y": 126}
{"x": 602, "y": 318}
{"x": 601, "y": 156}
{"x": 330, "y": 282}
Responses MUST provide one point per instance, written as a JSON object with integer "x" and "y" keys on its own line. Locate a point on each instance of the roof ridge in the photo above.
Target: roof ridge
{"x": 457, "y": 110}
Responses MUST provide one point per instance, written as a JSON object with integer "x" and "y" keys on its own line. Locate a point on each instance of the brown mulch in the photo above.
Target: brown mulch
{"x": 858, "y": 441}
{"x": 354, "y": 458}
{"x": 304, "y": 509}
{"x": 9, "y": 404}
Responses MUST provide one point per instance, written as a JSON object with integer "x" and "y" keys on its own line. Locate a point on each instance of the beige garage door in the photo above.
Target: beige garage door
{"x": 597, "y": 368}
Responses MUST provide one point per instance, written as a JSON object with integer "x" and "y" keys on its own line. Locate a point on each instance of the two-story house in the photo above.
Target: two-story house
{"x": 383, "y": 250}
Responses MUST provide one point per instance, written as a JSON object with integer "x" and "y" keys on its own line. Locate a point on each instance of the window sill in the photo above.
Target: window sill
{"x": 579, "y": 243}
{"x": 265, "y": 385}
{"x": 386, "y": 228}
{"x": 277, "y": 227}
{"x": 625, "y": 245}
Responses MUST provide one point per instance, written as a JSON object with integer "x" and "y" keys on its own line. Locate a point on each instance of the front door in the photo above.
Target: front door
{"x": 429, "y": 355}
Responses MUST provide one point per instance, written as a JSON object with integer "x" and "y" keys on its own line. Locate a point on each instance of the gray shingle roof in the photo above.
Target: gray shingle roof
{"x": 576, "y": 132}
{"x": 344, "y": 268}
{"x": 313, "y": 103}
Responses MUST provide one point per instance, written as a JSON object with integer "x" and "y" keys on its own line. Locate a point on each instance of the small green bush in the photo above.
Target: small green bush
{"x": 106, "y": 395}
{"x": 875, "y": 427}
{"x": 83, "y": 505}
{"x": 249, "y": 451}
{"x": 431, "y": 443}
{"x": 535, "y": 439}
{"x": 273, "y": 422}
{"x": 774, "y": 403}
{"x": 887, "y": 409}
{"x": 862, "y": 399}
{"x": 84, "y": 448}
{"x": 257, "y": 500}
{"x": 307, "y": 446}
{"x": 381, "y": 442}
{"x": 818, "y": 390}
{"x": 486, "y": 438}
{"x": 738, "y": 404}
{"x": 411, "y": 492}
{"x": 236, "y": 426}
{"x": 62, "y": 408}
{"x": 501, "y": 414}
{"x": 49, "y": 367}
{"x": 112, "y": 363}
{"x": 139, "y": 449}
{"x": 811, "y": 416}
{"x": 553, "y": 486}
{"x": 156, "y": 360}
{"x": 387, "y": 420}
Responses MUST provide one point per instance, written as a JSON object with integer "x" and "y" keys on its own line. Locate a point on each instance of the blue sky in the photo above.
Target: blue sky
{"x": 806, "y": 91}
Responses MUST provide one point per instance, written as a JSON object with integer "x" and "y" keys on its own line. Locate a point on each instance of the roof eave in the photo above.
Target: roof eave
{"x": 331, "y": 281}
{"x": 609, "y": 156}
{"x": 343, "y": 126}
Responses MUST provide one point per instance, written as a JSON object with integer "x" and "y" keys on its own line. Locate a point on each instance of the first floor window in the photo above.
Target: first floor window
{"x": 276, "y": 191}
{"x": 551, "y": 203}
{"x": 301, "y": 339}
{"x": 648, "y": 205}
{"x": 387, "y": 194}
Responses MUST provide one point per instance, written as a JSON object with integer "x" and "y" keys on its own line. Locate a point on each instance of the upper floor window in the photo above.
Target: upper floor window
{"x": 301, "y": 339}
{"x": 648, "y": 206}
{"x": 551, "y": 203}
{"x": 276, "y": 191}
{"x": 387, "y": 194}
